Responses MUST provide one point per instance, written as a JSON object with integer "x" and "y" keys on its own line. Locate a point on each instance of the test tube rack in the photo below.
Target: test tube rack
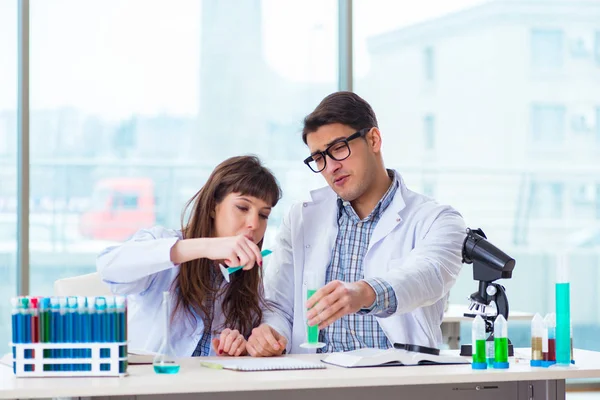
{"x": 56, "y": 359}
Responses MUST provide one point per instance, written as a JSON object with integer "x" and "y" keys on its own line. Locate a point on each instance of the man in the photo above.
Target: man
{"x": 386, "y": 256}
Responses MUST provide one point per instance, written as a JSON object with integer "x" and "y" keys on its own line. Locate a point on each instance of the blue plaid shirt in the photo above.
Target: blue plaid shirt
{"x": 203, "y": 346}
{"x": 358, "y": 330}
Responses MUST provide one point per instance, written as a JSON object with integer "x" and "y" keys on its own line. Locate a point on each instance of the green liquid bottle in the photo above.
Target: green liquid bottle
{"x": 478, "y": 344}
{"x": 500, "y": 343}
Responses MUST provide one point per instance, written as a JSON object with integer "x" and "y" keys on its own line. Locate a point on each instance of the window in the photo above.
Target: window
{"x": 429, "y": 64}
{"x": 548, "y": 123}
{"x": 152, "y": 107}
{"x": 8, "y": 165}
{"x": 548, "y": 200}
{"x": 597, "y": 47}
{"x": 547, "y": 48}
{"x": 494, "y": 110}
{"x": 429, "y": 131}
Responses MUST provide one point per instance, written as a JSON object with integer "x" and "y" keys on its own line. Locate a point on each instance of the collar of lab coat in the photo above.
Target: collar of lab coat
{"x": 326, "y": 194}
{"x": 321, "y": 225}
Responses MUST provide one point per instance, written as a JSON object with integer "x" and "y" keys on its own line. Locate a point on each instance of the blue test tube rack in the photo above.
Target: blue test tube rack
{"x": 74, "y": 336}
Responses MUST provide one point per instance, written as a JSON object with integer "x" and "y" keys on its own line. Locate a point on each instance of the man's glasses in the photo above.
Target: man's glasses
{"x": 338, "y": 151}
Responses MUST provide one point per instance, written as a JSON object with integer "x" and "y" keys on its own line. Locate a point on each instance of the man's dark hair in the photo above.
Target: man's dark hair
{"x": 345, "y": 108}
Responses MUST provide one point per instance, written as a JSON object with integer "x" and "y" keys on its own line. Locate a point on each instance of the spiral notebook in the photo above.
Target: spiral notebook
{"x": 262, "y": 364}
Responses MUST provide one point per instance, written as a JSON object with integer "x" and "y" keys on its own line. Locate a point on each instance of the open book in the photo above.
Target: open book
{"x": 378, "y": 357}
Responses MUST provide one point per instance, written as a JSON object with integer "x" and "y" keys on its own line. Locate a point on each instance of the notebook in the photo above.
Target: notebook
{"x": 262, "y": 364}
{"x": 380, "y": 357}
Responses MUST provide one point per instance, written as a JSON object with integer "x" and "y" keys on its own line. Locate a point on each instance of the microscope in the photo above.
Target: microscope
{"x": 489, "y": 264}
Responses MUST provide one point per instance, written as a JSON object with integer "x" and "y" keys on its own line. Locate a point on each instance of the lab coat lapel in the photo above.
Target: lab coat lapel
{"x": 320, "y": 231}
{"x": 390, "y": 218}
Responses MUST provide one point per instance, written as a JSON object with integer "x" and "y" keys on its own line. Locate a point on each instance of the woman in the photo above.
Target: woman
{"x": 226, "y": 224}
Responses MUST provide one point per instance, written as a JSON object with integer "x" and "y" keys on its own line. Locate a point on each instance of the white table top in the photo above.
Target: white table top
{"x": 456, "y": 313}
{"x": 193, "y": 378}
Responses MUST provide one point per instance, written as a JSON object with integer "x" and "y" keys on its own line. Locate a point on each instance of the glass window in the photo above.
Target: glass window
{"x": 429, "y": 131}
{"x": 597, "y": 47}
{"x": 548, "y": 123}
{"x": 126, "y": 135}
{"x": 547, "y": 48}
{"x": 491, "y": 144}
{"x": 548, "y": 200}
{"x": 429, "y": 63}
{"x": 8, "y": 165}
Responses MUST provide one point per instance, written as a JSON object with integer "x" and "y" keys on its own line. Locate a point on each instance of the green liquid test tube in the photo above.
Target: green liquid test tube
{"x": 313, "y": 331}
{"x": 478, "y": 345}
{"x": 500, "y": 343}
{"x": 312, "y": 284}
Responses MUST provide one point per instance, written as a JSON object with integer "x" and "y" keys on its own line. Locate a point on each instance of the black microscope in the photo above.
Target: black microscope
{"x": 489, "y": 264}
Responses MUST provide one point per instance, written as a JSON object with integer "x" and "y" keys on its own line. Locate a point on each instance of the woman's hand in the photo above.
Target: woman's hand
{"x": 233, "y": 250}
{"x": 230, "y": 343}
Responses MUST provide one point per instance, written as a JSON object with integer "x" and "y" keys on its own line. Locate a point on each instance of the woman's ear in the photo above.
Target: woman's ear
{"x": 212, "y": 214}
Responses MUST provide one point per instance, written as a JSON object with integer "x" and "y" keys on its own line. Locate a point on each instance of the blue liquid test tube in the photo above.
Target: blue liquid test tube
{"x": 91, "y": 321}
{"x": 26, "y": 320}
{"x": 15, "y": 319}
{"x": 100, "y": 307}
{"x": 109, "y": 326}
{"x": 71, "y": 334}
{"x": 121, "y": 319}
{"x": 55, "y": 323}
{"x": 62, "y": 332}
{"x": 81, "y": 320}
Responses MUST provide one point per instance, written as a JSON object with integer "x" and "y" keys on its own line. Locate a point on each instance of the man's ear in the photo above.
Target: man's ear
{"x": 374, "y": 139}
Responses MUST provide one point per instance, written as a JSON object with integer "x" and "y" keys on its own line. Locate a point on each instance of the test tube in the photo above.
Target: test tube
{"x": 563, "y": 311}
{"x": 500, "y": 343}
{"x": 478, "y": 346}
{"x": 100, "y": 318}
{"x": 572, "y": 358}
{"x": 35, "y": 320}
{"x": 62, "y": 330}
{"x": 45, "y": 327}
{"x": 26, "y": 320}
{"x": 312, "y": 284}
{"x": 81, "y": 324}
{"x": 537, "y": 334}
{"x": 71, "y": 326}
{"x": 549, "y": 351}
{"x": 120, "y": 320}
{"x": 15, "y": 320}
{"x": 109, "y": 322}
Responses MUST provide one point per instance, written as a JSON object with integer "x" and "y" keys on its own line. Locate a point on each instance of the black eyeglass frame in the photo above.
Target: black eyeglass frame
{"x": 324, "y": 153}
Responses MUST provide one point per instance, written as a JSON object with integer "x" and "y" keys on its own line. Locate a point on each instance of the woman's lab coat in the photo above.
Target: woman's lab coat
{"x": 416, "y": 247}
{"x": 141, "y": 268}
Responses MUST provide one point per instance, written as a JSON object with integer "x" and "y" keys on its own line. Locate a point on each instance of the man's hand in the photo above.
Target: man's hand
{"x": 337, "y": 299}
{"x": 231, "y": 343}
{"x": 265, "y": 342}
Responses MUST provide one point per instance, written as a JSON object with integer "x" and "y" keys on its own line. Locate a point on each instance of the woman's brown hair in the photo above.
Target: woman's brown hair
{"x": 195, "y": 286}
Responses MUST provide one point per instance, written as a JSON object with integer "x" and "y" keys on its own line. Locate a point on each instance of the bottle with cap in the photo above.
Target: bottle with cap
{"x": 537, "y": 333}
{"x": 500, "y": 343}
{"x": 478, "y": 346}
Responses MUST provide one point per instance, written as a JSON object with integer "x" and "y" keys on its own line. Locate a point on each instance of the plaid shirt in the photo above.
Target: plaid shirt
{"x": 203, "y": 346}
{"x": 358, "y": 330}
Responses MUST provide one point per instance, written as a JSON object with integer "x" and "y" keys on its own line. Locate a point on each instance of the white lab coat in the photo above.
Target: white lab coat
{"x": 416, "y": 247}
{"x": 141, "y": 269}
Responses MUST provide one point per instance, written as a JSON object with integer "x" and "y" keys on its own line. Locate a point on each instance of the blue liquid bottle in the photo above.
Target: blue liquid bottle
{"x": 563, "y": 312}
{"x": 165, "y": 361}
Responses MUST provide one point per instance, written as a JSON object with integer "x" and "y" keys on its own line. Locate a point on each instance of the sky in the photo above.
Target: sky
{"x": 113, "y": 58}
